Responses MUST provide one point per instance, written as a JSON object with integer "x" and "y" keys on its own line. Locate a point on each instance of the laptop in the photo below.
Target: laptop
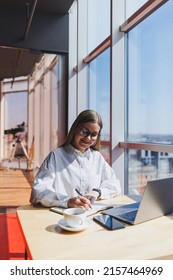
{"x": 157, "y": 201}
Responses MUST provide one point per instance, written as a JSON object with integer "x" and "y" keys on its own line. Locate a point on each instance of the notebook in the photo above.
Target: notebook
{"x": 157, "y": 201}
{"x": 96, "y": 207}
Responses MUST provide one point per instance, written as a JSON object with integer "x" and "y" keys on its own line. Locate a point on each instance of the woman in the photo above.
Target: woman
{"x": 76, "y": 167}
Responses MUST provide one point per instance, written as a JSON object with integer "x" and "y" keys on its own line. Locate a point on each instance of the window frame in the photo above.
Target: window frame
{"x": 143, "y": 12}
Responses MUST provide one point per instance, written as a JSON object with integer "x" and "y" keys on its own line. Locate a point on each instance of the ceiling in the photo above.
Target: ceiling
{"x": 29, "y": 28}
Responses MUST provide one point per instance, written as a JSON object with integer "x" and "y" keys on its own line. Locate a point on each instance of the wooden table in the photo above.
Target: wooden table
{"x": 45, "y": 239}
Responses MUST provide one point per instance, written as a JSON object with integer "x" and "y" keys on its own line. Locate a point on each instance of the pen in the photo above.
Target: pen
{"x": 81, "y": 195}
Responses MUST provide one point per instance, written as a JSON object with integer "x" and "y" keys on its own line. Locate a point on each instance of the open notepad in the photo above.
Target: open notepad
{"x": 96, "y": 207}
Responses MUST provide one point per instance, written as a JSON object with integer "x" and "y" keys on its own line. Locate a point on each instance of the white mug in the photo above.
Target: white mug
{"x": 75, "y": 217}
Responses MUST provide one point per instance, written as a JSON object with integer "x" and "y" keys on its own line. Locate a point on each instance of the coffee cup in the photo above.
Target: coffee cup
{"x": 75, "y": 217}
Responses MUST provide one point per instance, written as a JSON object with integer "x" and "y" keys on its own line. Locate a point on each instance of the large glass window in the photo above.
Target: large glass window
{"x": 54, "y": 109}
{"x": 150, "y": 84}
{"x": 15, "y": 114}
{"x": 58, "y": 103}
{"x": 99, "y": 92}
{"x": 15, "y": 109}
{"x": 133, "y": 6}
{"x": 98, "y": 22}
{"x": 41, "y": 121}
{"x": 149, "y": 95}
{"x": 147, "y": 165}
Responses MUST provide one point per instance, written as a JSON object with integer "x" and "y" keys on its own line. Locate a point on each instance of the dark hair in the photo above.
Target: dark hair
{"x": 84, "y": 117}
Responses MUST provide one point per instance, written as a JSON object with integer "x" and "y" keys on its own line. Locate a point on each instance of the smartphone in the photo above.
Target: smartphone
{"x": 108, "y": 222}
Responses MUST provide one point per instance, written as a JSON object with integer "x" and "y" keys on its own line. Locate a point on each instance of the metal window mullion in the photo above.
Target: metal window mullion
{"x": 97, "y": 51}
{"x": 147, "y": 146}
{"x": 147, "y": 9}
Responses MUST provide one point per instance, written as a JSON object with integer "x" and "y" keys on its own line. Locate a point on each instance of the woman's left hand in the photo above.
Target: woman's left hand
{"x": 92, "y": 196}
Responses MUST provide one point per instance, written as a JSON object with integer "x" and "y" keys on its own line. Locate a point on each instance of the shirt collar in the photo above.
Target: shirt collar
{"x": 71, "y": 150}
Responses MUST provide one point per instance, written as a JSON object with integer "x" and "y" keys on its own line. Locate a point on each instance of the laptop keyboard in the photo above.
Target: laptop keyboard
{"x": 129, "y": 215}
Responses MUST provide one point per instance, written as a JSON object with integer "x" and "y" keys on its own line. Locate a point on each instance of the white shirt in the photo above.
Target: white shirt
{"x": 65, "y": 169}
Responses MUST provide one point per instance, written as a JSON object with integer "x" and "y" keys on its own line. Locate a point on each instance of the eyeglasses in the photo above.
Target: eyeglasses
{"x": 85, "y": 132}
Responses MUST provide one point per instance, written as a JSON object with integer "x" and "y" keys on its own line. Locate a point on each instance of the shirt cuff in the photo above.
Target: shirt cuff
{"x": 99, "y": 192}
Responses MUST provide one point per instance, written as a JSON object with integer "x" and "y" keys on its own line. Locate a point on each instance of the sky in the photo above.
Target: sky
{"x": 15, "y": 109}
{"x": 151, "y": 73}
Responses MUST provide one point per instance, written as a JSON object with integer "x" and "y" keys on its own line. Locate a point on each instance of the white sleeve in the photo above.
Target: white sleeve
{"x": 43, "y": 191}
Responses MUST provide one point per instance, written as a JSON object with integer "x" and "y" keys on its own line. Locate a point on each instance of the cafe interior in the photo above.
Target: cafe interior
{"x": 60, "y": 57}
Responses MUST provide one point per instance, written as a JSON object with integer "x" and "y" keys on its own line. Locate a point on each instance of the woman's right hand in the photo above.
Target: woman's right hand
{"x": 79, "y": 202}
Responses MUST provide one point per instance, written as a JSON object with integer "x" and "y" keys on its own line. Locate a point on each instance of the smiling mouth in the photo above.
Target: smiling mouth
{"x": 84, "y": 142}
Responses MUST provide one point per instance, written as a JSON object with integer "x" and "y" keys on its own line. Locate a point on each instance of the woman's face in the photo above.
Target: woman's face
{"x": 85, "y": 136}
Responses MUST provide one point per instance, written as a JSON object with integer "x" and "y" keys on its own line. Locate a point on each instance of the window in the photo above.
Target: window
{"x": 99, "y": 93}
{"x": 149, "y": 96}
{"x": 58, "y": 103}
{"x": 41, "y": 96}
{"x": 133, "y": 6}
{"x": 15, "y": 113}
{"x": 147, "y": 165}
{"x": 98, "y": 22}
{"x": 150, "y": 79}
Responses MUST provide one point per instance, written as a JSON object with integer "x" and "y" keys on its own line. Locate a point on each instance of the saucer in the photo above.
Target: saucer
{"x": 62, "y": 223}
